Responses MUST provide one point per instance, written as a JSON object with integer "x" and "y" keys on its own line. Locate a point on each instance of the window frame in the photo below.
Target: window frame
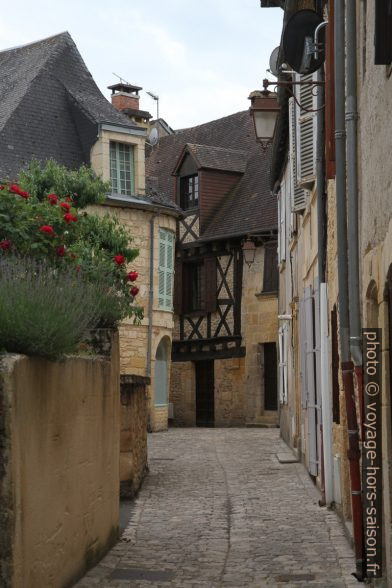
{"x": 119, "y": 153}
{"x": 189, "y": 192}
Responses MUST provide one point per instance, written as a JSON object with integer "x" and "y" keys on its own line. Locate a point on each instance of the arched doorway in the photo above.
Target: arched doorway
{"x": 162, "y": 373}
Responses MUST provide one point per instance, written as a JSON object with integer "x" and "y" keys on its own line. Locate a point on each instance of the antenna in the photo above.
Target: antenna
{"x": 156, "y": 98}
{"x": 122, "y": 81}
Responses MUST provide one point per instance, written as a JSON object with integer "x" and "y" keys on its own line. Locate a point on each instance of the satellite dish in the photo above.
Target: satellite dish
{"x": 298, "y": 42}
{"x": 273, "y": 62}
{"x": 153, "y": 137}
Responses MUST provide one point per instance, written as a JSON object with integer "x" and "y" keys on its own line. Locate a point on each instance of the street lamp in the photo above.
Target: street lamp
{"x": 264, "y": 109}
{"x": 249, "y": 251}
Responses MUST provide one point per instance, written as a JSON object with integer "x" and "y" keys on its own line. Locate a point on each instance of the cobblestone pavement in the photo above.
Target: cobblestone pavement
{"x": 217, "y": 510}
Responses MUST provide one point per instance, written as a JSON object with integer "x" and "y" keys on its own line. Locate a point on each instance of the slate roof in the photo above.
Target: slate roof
{"x": 250, "y": 207}
{"x": 208, "y": 157}
{"x": 50, "y": 105}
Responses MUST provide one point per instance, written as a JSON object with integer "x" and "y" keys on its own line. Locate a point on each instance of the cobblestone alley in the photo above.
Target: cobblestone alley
{"x": 218, "y": 509}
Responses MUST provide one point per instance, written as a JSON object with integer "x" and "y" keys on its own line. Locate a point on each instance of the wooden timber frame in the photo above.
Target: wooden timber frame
{"x": 211, "y": 334}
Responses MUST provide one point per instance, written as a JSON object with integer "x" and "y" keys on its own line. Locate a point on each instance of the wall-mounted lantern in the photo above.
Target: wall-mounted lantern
{"x": 249, "y": 251}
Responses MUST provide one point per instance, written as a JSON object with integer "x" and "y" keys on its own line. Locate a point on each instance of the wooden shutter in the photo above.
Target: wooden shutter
{"x": 282, "y": 223}
{"x": 165, "y": 269}
{"x": 298, "y": 194}
{"x": 383, "y": 32}
{"x": 161, "y": 269}
{"x": 302, "y": 329}
{"x": 178, "y": 297}
{"x": 281, "y": 366}
{"x": 210, "y": 284}
{"x": 310, "y": 381}
{"x": 270, "y": 272}
{"x": 306, "y": 132}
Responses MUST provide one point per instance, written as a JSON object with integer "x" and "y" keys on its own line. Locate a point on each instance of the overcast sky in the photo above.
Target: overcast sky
{"x": 202, "y": 57}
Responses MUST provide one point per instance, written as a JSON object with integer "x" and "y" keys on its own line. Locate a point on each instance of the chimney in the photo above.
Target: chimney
{"x": 125, "y": 96}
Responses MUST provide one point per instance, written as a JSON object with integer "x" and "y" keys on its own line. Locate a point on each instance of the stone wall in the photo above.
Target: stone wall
{"x": 183, "y": 393}
{"x": 59, "y": 475}
{"x": 134, "y": 338}
{"x": 133, "y": 437}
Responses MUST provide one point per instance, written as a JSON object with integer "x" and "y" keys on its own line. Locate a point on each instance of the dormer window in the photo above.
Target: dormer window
{"x": 122, "y": 171}
{"x": 189, "y": 192}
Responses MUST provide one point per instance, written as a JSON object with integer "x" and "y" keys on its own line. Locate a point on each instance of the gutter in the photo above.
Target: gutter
{"x": 353, "y": 453}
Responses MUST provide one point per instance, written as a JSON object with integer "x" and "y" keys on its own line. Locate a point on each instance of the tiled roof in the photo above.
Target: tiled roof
{"x": 251, "y": 206}
{"x": 221, "y": 158}
{"x": 50, "y": 105}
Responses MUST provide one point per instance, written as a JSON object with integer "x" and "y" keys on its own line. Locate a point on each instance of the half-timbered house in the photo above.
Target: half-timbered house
{"x": 224, "y": 344}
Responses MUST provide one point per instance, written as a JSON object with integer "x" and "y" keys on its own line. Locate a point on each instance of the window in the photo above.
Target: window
{"x": 122, "y": 173}
{"x": 194, "y": 287}
{"x": 271, "y": 276}
{"x": 165, "y": 270}
{"x": 189, "y": 192}
{"x": 383, "y": 32}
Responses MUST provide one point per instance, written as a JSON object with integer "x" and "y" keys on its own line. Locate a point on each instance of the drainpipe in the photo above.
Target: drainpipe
{"x": 352, "y": 196}
{"x": 344, "y": 331}
{"x": 151, "y": 295}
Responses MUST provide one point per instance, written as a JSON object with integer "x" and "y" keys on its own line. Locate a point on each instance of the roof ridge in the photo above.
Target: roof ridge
{"x": 64, "y": 34}
{"x": 217, "y": 147}
{"x": 179, "y": 131}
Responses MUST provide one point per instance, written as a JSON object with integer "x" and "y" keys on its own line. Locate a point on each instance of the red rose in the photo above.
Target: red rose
{"x": 2, "y": 187}
{"x": 134, "y": 291}
{"x": 66, "y": 206}
{"x": 70, "y": 217}
{"x": 69, "y": 199}
{"x": 5, "y": 244}
{"x": 17, "y": 190}
{"x": 119, "y": 259}
{"x": 53, "y": 199}
{"x": 47, "y": 229}
{"x": 133, "y": 276}
{"x": 61, "y": 250}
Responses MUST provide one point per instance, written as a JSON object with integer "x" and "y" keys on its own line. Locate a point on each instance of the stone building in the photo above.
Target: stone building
{"x": 224, "y": 342}
{"x": 330, "y": 174}
{"x": 52, "y": 108}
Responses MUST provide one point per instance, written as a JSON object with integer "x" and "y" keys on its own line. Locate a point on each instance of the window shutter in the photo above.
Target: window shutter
{"x": 298, "y": 195}
{"x": 210, "y": 284}
{"x": 281, "y": 366}
{"x": 270, "y": 273}
{"x": 310, "y": 381}
{"x": 161, "y": 269}
{"x": 282, "y": 223}
{"x": 306, "y": 133}
{"x": 165, "y": 269}
{"x": 178, "y": 286}
{"x": 302, "y": 327}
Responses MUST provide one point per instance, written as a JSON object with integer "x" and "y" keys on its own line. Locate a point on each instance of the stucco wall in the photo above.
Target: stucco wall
{"x": 59, "y": 492}
{"x": 134, "y": 338}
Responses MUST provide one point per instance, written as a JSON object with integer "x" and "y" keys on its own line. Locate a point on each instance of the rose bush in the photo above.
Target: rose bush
{"x": 38, "y": 221}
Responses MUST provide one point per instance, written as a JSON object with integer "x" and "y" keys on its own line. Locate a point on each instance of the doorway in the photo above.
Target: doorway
{"x": 205, "y": 406}
{"x": 270, "y": 377}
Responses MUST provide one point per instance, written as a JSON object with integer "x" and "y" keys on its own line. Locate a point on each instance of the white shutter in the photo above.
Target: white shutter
{"x": 166, "y": 269}
{"x": 282, "y": 223}
{"x": 281, "y": 366}
{"x": 310, "y": 381}
{"x": 285, "y": 353}
{"x": 306, "y": 132}
{"x": 298, "y": 194}
{"x": 302, "y": 328}
{"x": 161, "y": 269}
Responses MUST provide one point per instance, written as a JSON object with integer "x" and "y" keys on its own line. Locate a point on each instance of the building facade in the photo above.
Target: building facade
{"x": 224, "y": 344}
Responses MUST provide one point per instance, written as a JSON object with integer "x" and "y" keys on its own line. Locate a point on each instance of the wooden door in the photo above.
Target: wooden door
{"x": 270, "y": 377}
{"x": 205, "y": 410}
